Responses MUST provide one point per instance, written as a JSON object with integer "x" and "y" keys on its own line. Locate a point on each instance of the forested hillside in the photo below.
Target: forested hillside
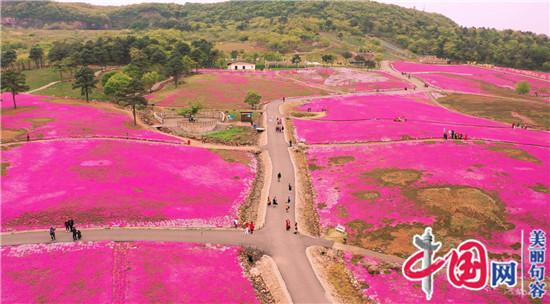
{"x": 291, "y": 26}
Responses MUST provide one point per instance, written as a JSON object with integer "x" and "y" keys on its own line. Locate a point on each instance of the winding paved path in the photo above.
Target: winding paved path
{"x": 287, "y": 249}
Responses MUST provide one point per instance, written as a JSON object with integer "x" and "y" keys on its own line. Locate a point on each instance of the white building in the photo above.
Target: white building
{"x": 241, "y": 66}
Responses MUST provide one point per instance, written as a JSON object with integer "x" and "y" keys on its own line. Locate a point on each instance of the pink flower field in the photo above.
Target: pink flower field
{"x": 124, "y": 272}
{"x": 389, "y": 286}
{"x": 222, "y": 89}
{"x": 371, "y": 118}
{"x": 470, "y": 79}
{"x": 116, "y": 183}
{"x": 46, "y": 117}
{"x": 347, "y": 80}
{"x": 385, "y": 193}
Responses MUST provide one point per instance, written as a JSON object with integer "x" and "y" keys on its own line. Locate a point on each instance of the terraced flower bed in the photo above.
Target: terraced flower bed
{"x": 398, "y": 117}
{"x": 47, "y": 117}
{"x": 347, "y": 80}
{"x": 116, "y": 182}
{"x": 473, "y": 79}
{"x": 123, "y": 272}
{"x": 384, "y": 194}
{"x": 221, "y": 89}
{"x": 384, "y": 283}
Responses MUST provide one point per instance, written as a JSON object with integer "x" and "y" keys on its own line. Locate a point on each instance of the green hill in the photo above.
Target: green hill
{"x": 290, "y": 26}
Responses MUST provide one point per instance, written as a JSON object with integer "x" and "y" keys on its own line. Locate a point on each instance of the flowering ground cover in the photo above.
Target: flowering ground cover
{"x": 123, "y": 272}
{"x": 385, "y": 284}
{"x": 46, "y": 117}
{"x": 112, "y": 182}
{"x": 347, "y": 80}
{"x": 371, "y": 118}
{"x": 473, "y": 79}
{"x": 384, "y": 194}
{"x": 227, "y": 89}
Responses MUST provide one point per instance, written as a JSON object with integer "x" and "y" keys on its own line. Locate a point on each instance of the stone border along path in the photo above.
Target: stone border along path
{"x": 286, "y": 249}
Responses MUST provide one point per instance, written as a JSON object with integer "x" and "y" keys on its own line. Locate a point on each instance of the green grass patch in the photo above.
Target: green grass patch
{"x": 509, "y": 110}
{"x": 234, "y": 135}
{"x": 40, "y": 77}
{"x": 65, "y": 89}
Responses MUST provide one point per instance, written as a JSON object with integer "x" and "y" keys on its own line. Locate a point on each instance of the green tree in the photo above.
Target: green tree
{"x": 15, "y": 83}
{"x": 347, "y": 55}
{"x": 523, "y": 87}
{"x": 36, "y": 54}
{"x": 149, "y": 79}
{"x": 328, "y": 58}
{"x": 234, "y": 54}
{"x": 253, "y": 99}
{"x": 85, "y": 80}
{"x": 132, "y": 95}
{"x": 8, "y": 57}
{"x": 296, "y": 59}
{"x": 188, "y": 64}
{"x": 174, "y": 67}
{"x": 60, "y": 67}
{"x": 116, "y": 84}
{"x": 106, "y": 77}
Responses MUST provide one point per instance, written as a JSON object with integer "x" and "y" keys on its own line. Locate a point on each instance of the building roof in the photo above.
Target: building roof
{"x": 240, "y": 62}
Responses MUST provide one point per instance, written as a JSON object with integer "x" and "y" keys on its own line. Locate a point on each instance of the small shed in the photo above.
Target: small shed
{"x": 241, "y": 66}
{"x": 246, "y": 116}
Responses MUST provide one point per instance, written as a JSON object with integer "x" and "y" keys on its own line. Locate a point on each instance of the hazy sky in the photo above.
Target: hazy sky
{"x": 526, "y": 15}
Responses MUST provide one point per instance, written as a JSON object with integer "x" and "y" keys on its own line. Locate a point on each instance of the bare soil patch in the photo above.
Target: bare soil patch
{"x": 308, "y": 218}
{"x": 340, "y": 160}
{"x": 394, "y": 177}
{"x": 515, "y": 153}
{"x": 249, "y": 209}
{"x": 540, "y": 188}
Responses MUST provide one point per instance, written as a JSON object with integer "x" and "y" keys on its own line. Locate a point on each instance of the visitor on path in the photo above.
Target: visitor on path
{"x": 251, "y": 227}
{"x": 67, "y": 226}
{"x": 288, "y": 201}
{"x": 78, "y": 234}
{"x": 290, "y": 143}
{"x": 296, "y": 228}
{"x": 71, "y": 224}
{"x": 52, "y": 233}
{"x": 28, "y": 137}
{"x": 246, "y": 228}
{"x": 289, "y": 187}
{"x": 465, "y": 136}
{"x": 75, "y": 234}
{"x": 283, "y": 99}
{"x": 235, "y": 223}
{"x": 279, "y": 177}
{"x": 287, "y": 207}
{"x": 445, "y": 136}
{"x": 287, "y": 224}
{"x": 268, "y": 201}
{"x": 275, "y": 201}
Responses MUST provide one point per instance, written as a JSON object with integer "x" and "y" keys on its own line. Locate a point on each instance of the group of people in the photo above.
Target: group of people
{"x": 452, "y": 134}
{"x": 288, "y": 226}
{"x": 519, "y": 126}
{"x": 249, "y": 228}
{"x": 69, "y": 226}
{"x": 279, "y": 127}
{"x": 400, "y": 119}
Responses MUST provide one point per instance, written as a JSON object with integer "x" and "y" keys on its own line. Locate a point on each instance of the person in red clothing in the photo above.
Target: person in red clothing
{"x": 287, "y": 224}
{"x": 246, "y": 228}
{"x": 251, "y": 227}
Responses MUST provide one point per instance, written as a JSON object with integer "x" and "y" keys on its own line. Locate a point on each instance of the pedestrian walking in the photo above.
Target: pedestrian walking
{"x": 71, "y": 224}
{"x": 289, "y": 187}
{"x": 235, "y": 223}
{"x": 75, "y": 234}
{"x": 290, "y": 143}
{"x": 287, "y": 224}
{"x": 78, "y": 234}
{"x": 66, "y": 225}
{"x": 279, "y": 177}
{"x": 287, "y": 207}
{"x": 296, "y": 228}
{"x": 288, "y": 201}
{"x": 251, "y": 227}
{"x": 246, "y": 228}
{"x": 52, "y": 233}
{"x": 274, "y": 201}
{"x": 28, "y": 137}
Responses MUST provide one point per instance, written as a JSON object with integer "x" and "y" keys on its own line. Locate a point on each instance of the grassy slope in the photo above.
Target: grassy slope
{"x": 65, "y": 89}
{"x": 501, "y": 109}
{"x": 40, "y": 77}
